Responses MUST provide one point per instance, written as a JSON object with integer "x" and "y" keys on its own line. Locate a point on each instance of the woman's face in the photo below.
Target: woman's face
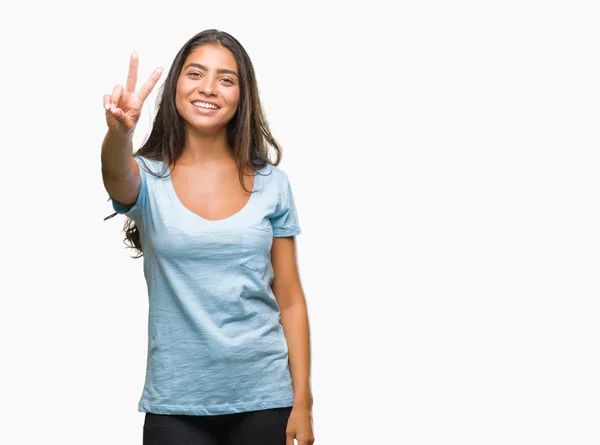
{"x": 210, "y": 76}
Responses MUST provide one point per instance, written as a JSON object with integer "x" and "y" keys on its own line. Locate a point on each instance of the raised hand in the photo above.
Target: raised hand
{"x": 123, "y": 107}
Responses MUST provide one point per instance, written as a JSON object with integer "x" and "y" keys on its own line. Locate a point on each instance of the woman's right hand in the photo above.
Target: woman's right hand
{"x": 123, "y": 107}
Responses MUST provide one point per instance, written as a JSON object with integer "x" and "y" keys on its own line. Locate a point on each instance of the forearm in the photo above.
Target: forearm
{"x": 117, "y": 156}
{"x": 294, "y": 320}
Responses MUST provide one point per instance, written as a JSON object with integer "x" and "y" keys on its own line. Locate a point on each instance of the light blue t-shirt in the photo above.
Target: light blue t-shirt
{"x": 215, "y": 342}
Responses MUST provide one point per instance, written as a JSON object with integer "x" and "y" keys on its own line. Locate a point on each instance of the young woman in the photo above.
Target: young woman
{"x": 215, "y": 220}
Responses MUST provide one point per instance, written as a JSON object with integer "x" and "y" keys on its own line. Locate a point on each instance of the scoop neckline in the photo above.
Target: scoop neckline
{"x": 237, "y": 214}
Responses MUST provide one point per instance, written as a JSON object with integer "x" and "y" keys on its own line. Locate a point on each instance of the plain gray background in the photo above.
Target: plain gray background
{"x": 444, "y": 161}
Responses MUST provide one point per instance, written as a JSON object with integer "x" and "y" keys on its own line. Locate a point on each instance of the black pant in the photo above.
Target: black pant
{"x": 263, "y": 427}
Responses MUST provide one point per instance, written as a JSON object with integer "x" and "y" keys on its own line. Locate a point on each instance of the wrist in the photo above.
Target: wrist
{"x": 304, "y": 400}
{"x": 120, "y": 134}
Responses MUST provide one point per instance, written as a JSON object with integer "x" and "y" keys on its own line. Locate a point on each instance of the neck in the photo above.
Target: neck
{"x": 205, "y": 149}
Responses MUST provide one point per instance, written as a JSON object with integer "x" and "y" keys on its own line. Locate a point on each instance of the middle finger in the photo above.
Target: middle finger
{"x": 147, "y": 88}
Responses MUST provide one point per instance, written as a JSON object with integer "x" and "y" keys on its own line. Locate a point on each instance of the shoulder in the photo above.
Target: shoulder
{"x": 150, "y": 165}
{"x": 273, "y": 174}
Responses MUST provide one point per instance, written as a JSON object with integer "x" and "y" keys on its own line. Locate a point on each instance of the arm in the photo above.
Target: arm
{"x": 116, "y": 156}
{"x": 120, "y": 173}
{"x": 294, "y": 317}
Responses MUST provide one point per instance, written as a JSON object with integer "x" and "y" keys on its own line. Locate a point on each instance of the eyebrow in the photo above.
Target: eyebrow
{"x": 220, "y": 70}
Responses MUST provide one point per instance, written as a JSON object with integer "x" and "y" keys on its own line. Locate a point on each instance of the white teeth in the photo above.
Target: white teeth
{"x": 205, "y": 105}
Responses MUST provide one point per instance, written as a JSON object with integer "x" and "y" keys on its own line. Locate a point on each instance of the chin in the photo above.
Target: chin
{"x": 206, "y": 128}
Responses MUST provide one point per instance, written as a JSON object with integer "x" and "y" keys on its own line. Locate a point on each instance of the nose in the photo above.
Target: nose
{"x": 207, "y": 86}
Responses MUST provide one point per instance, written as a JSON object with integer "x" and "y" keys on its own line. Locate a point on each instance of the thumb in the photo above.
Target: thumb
{"x": 125, "y": 121}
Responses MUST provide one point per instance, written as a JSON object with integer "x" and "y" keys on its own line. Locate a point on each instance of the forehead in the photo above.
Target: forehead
{"x": 212, "y": 55}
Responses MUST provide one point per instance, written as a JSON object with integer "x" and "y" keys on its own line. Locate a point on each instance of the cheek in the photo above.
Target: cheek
{"x": 179, "y": 103}
{"x": 178, "y": 94}
{"x": 234, "y": 100}
{"x": 184, "y": 87}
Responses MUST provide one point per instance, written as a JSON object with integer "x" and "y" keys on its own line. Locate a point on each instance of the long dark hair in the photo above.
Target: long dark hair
{"x": 248, "y": 132}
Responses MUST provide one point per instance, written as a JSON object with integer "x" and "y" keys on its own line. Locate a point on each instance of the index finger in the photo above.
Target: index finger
{"x": 132, "y": 74}
{"x": 147, "y": 88}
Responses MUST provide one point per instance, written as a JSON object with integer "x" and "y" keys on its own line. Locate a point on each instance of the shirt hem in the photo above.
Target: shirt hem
{"x": 214, "y": 410}
{"x": 291, "y": 231}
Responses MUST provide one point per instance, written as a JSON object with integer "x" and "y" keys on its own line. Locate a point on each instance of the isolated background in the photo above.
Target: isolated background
{"x": 444, "y": 161}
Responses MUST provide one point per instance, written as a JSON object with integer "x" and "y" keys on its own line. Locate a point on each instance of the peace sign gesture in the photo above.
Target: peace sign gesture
{"x": 123, "y": 108}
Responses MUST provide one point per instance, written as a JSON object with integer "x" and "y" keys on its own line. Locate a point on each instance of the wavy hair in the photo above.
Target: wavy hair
{"x": 248, "y": 132}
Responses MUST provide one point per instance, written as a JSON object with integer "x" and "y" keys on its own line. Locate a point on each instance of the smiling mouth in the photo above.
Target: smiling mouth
{"x": 205, "y": 106}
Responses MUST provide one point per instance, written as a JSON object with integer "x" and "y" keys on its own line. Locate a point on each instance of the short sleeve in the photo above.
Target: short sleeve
{"x": 135, "y": 212}
{"x": 285, "y": 219}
